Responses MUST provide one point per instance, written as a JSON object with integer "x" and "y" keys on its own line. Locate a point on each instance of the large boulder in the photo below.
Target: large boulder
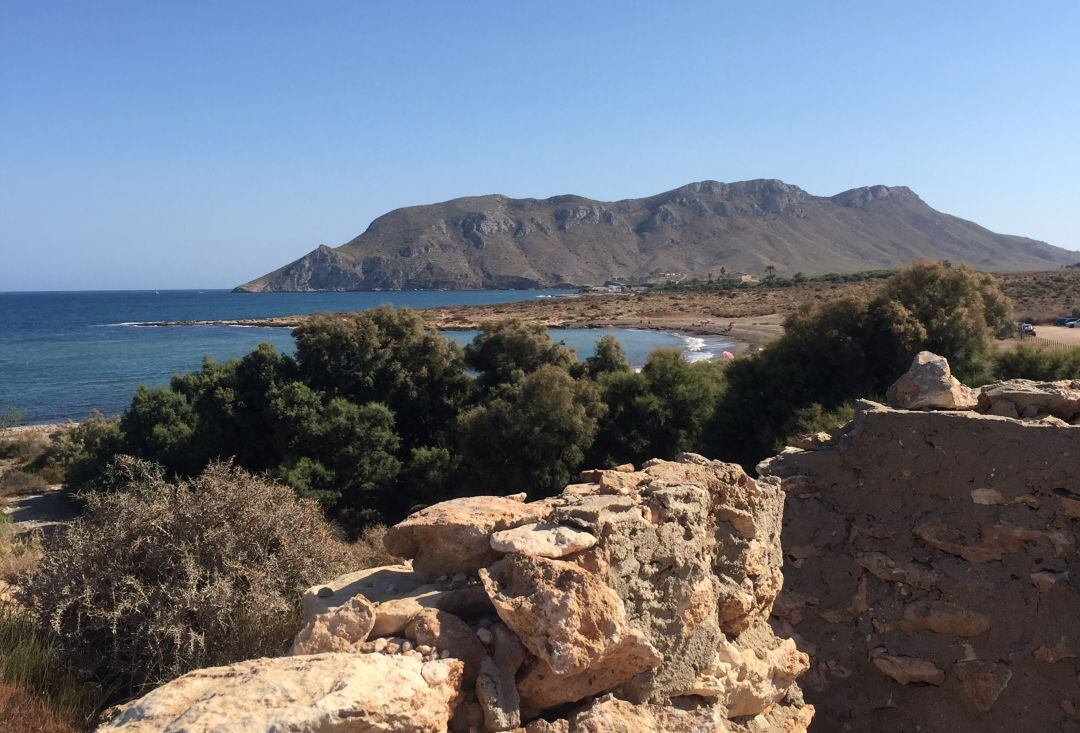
{"x": 930, "y": 385}
{"x": 455, "y": 536}
{"x": 693, "y": 550}
{"x": 317, "y": 693}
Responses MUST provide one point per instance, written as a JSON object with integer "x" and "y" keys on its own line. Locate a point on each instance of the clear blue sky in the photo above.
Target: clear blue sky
{"x": 199, "y": 144}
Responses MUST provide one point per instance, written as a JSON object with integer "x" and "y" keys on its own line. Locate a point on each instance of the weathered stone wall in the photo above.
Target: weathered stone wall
{"x": 930, "y": 566}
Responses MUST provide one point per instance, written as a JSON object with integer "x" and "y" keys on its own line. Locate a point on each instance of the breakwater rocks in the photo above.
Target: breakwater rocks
{"x": 929, "y": 558}
{"x": 632, "y": 601}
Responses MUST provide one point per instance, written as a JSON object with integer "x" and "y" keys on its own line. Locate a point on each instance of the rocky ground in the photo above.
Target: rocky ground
{"x": 633, "y": 601}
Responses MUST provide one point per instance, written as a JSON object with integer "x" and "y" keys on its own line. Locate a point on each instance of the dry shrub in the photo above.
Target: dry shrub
{"x": 18, "y": 555}
{"x": 159, "y": 578}
{"x": 22, "y": 711}
{"x": 368, "y": 550}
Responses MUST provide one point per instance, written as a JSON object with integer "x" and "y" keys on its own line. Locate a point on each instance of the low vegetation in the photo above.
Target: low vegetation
{"x": 158, "y": 577}
{"x": 39, "y": 691}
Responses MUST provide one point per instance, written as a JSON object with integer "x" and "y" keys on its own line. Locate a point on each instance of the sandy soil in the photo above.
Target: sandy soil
{"x": 1068, "y": 336}
{"x": 38, "y": 512}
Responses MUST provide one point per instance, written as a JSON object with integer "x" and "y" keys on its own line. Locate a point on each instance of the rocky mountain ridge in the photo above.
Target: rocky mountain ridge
{"x": 496, "y": 241}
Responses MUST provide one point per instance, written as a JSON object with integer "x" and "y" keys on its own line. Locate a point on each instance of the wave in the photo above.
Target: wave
{"x": 702, "y": 349}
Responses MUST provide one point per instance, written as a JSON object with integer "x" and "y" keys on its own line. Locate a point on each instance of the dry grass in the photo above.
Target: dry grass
{"x": 18, "y": 555}
{"x": 35, "y": 679}
{"x": 24, "y": 712}
{"x": 1043, "y": 296}
{"x": 13, "y": 483}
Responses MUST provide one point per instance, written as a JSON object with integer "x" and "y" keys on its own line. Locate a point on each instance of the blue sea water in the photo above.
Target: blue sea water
{"x": 65, "y": 354}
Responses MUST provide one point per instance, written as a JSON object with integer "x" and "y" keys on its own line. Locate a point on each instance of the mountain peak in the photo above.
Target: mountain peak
{"x": 866, "y": 195}
{"x": 495, "y": 241}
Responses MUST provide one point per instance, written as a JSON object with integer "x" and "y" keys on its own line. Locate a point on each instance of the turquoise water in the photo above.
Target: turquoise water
{"x": 64, "y": 354}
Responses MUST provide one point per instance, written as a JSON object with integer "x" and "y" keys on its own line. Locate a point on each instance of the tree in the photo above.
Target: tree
{"x": 340, "y": 453}
{"x": 958, "y": 308}
{"x": 658, "y": 412}
{"x": 609, "y": 358}
{"x": 531, "y": 435}
{"x": 505, "y": 351}
{"x": 856, "y": 347}
{"x": 386, "y": 355}
{"x": 770, "y": 272}
{"x": 158, "y": 426}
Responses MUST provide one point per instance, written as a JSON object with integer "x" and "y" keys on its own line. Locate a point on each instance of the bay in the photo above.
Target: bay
{"x": 63, "y": 354}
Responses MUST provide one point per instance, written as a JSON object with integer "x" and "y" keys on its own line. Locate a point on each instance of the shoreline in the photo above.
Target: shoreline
{"x": 757, "y": 315}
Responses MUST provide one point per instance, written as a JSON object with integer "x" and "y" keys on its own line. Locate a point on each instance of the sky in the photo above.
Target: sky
{"x": 201, "y": 144}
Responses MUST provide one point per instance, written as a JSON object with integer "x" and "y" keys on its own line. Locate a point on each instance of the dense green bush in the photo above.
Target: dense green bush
{"x": 1028, "y": 363}
{"x": 856, "y": 347}
{"x": 375, "y": 415}
{"x": 532, "y": 435}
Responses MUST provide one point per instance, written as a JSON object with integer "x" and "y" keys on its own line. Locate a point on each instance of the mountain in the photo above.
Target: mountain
{"x": 500, "y": 242}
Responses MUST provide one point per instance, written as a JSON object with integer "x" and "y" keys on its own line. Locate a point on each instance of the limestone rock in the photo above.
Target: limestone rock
{"x": 1053, "y": 654}
{"x": 316, "y": 693}
{"x": 906, "y": 670}
{"x": 751, "y": 675}
{"x": 942, "y": 617}
{"x": 448, "y": 634}
{"x": 610, "y": 715}
{"x": 930, "y": 385}
{"x": 885, "y": 568}
{"x": 496, "y": 686}
{"x": 341, "y": 629}
{"x": 454, "y": 536}
{"x": 693, "y": 552}
{"x": 542, "y": 540}
{"x": 1028, "y": 398}
{"x": 980, "y": 682}
{"x": 541, "y": 688}
{"x": 565, "y": 615}
{"x": 398, "y": 594}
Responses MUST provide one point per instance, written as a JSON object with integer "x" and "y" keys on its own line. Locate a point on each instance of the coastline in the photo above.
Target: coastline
{"x": 757, "y": 314}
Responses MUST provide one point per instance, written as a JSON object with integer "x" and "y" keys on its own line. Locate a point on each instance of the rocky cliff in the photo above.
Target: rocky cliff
{"x": 929, "y": 556}
{"x": 500, "y": 242}
{"x": 633, "y": 601}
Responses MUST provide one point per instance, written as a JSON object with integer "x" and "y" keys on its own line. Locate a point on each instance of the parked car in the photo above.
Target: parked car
{"x": 1027, "y": 329}
{"x": 1075, "y": 323}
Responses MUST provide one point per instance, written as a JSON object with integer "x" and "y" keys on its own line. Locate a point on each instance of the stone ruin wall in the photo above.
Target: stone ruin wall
{"x": 930, "y": 565}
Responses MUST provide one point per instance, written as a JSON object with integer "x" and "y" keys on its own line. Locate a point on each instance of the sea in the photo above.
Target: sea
{"x": 63, "y": 354}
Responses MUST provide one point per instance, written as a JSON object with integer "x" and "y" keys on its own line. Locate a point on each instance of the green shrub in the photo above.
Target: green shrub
{"x": 1025, "y": 362}
{"x": 532, "y": 435}
{"x": 156, "y": 578}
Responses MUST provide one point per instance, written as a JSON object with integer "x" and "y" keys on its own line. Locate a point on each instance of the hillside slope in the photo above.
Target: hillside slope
{"x": 499, "y": 242}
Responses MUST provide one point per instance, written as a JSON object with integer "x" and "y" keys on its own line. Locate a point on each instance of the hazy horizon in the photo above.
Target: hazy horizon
{"x": 186, "y": 147}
